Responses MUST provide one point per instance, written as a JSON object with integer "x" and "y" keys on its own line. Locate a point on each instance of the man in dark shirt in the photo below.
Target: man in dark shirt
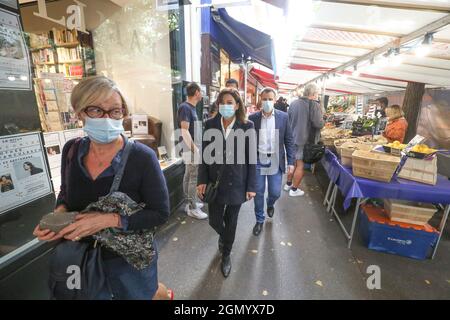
{"x": 383, "y": 103}
{"x": 187, "y": 121}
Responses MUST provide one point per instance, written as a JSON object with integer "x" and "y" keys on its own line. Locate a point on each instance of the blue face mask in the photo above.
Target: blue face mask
{"x": 267, "y": 106}
{"x": 227, "y": 110}
{"x": 103, "y": 130}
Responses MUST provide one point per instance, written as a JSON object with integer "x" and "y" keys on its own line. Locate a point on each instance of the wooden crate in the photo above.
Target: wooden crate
{"x": 346, "y": 150}
{"x": 373, "y": 165}
{"x": 340, "y": 142}
{"x": 328, "y": 142}
{"x": 424, "y": 171}
{"x": 409, "y": 212}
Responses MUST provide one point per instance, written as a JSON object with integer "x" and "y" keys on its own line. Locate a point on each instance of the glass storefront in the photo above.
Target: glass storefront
{"x": 137, "y": 43}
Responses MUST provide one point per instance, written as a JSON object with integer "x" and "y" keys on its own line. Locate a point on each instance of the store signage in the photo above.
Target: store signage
{"x": 75, "y": 20}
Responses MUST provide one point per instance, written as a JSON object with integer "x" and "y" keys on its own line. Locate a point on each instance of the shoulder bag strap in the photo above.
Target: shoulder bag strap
{"x": 310, "y": 139}
{"x": 123, "y": 163}
{"x": 71, "y": 154}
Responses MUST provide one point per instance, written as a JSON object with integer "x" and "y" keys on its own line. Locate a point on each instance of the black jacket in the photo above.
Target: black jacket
{"x": 237, "y": 179}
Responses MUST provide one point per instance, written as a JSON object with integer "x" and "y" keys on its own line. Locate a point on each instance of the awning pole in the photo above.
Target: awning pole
{"x": 245, "y": 83}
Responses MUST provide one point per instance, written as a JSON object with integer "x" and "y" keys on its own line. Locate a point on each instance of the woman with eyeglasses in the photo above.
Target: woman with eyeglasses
{"x": 92, "y": 163}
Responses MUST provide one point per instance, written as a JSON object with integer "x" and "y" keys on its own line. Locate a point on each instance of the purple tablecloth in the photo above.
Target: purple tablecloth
{"x": 356, "y": 187}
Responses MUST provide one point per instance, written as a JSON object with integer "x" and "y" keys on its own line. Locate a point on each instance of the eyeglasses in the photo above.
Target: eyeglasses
{"x": 97, "y": 112}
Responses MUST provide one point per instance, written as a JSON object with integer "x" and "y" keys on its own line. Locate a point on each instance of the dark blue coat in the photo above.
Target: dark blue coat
{"x": 237, "y": 179}
{"x": 286, "y": 141}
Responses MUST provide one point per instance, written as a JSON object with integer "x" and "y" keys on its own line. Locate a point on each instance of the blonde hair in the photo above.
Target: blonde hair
{"x": 93, "y": 90}
{"x": 396, "y": 111}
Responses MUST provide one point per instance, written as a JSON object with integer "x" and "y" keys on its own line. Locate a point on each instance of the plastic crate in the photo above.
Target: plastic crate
{"x": 407, "y": 240}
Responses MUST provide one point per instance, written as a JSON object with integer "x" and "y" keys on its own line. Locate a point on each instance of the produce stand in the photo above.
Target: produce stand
{"x": 342, "y": 178}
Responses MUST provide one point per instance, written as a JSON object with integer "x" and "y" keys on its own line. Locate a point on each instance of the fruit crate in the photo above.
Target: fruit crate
{"x": 423, "y": 171}
{"x": 346, "y": 151}
{"x": 409, "y": 211}
{"x": 374, "y": 166}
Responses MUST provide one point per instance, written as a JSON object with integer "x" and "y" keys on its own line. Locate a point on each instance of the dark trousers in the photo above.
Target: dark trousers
{"x": 223, "y": 219}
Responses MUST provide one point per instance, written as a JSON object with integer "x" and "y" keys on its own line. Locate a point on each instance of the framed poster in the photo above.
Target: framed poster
{"x": 139, "y": 124}
{"x": 23, "y": 171}
{"x": 14, "y": 59}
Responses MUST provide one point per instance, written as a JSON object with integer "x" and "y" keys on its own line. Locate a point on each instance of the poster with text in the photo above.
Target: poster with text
{"x": 14, "y": 59}
{"x": 54, "y": 144}
{"x": 23, "y": 171}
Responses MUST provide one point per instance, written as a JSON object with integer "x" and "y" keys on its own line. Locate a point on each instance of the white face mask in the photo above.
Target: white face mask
{"x": 267, "y": 106}
{"x": 227, "y": 110}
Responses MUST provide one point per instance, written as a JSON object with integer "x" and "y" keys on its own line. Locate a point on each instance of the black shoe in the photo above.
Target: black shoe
{"x": 257, "y": 228}
{"x": 270, "y": 211}
{"x": 220, "y": 245}
{"x": 226, "y": 266}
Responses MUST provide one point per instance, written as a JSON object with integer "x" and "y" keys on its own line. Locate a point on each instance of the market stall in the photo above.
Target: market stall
{"x": 368, "y": 183}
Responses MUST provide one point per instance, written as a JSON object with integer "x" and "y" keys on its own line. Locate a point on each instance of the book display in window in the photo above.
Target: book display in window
{"x": 60, "y": 58}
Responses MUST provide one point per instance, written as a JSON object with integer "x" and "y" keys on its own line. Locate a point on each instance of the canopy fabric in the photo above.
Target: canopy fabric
{"x": 240, "y": 40}
{"x": 264, "y": 78}
{"x": 343, "y": 32}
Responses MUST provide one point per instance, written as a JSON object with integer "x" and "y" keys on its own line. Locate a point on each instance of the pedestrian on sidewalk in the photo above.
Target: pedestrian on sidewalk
{"x": 234, "y": 171}
{"x": 306, "y": 119}
{"x": 275, "y": 144}
{"x": 187, "y": 121}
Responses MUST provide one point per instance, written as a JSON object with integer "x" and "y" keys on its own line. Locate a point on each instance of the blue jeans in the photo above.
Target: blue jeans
{"x": 274, "y": 183}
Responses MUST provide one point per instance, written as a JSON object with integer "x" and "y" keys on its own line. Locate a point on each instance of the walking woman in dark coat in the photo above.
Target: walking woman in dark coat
{"x": 236, "y": 165}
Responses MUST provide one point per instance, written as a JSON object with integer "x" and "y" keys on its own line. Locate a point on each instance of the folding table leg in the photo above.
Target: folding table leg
{"x": 355, "y": 217}
{"x": 330, "y": 185}
{"x": 332, "y": 198}
{"x": 441, "y": 229}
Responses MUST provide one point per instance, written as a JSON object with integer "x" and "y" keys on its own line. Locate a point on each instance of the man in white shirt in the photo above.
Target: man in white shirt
{"x": 275, "y": 144}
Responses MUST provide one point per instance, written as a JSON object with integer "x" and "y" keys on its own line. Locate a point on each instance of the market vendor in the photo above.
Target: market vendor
{"x": 397, "y": 125}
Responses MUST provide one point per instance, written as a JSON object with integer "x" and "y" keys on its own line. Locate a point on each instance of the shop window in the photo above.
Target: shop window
{"x": 137, "y": 43}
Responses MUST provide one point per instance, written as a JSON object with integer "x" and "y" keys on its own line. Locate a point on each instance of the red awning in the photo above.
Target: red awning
{"x": 265, "y": 78}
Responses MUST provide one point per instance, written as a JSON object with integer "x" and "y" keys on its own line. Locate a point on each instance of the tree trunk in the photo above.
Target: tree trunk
{"x": 411, "y": 107}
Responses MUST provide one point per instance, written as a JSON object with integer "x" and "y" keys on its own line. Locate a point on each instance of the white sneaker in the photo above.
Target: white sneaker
{"x": 197, "y": 214}
{"x": 297, "y": 193}
{"x": 287, "y": 188}
{"x": 200, "y": 205}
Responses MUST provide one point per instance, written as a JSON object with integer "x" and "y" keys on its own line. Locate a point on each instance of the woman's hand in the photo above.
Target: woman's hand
{"x": 60, "y": 209}
{"x": 201, "y": 189}
{"x": 45, "y": 235}
{"x": 89, "y": 224}
{"x": 250, "y": 195}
